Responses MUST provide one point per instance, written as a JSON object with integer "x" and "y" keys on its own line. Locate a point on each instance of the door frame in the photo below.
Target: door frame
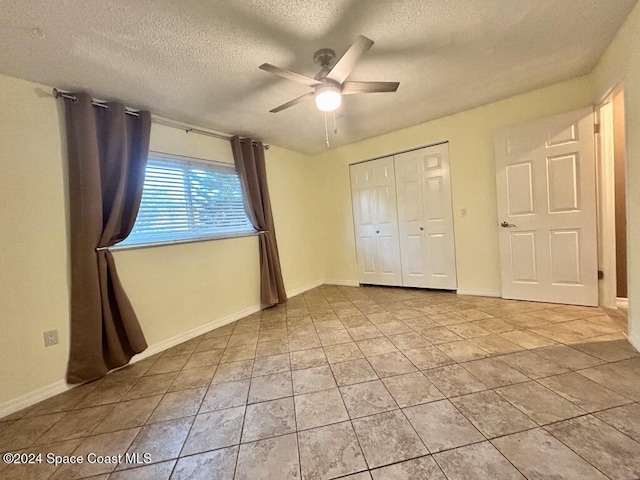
{"x": 606, "y": 210}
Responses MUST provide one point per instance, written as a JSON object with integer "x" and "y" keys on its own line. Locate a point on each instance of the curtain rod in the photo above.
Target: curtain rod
{"x": 160, "y": 121}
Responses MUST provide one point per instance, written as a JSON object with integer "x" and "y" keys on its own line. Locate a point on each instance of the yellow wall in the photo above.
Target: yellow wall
{"x": 174, "y": 288}
{"x": 470, "y": 136}
{"x": 621, "y": 63}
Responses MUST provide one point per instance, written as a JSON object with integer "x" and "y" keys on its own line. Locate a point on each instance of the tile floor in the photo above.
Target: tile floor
{"x": 363, "y": 384}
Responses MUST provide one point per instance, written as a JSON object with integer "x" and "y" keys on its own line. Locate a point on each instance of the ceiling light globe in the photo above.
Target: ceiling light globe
{"x": 328, "y": 98}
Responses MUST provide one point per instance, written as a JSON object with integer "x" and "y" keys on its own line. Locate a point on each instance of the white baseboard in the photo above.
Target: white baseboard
{"x": 622, "y": 302}
{"x": 298, "y": 291}
{"x": 31, "y": 398}
{"x": 479, "y": 293}
{"x": 342, "y": 283}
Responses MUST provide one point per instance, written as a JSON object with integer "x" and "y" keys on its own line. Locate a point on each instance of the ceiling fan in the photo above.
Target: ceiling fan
{"x": 330, "y": 83}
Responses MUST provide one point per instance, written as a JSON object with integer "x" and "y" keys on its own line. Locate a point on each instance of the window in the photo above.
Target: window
{"x": 188, "y": 199}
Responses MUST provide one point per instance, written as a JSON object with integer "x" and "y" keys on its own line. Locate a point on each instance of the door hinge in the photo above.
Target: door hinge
{"x": 596, "y": 128}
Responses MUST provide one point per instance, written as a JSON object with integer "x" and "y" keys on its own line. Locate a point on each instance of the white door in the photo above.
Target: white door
{"x": 376, "y": 222}
{"x": 425, "y": 217}
{"x": 547, "y": 210}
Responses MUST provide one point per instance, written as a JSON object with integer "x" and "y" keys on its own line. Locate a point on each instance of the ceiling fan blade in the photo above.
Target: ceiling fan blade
{"x": 352, "y": 88}
{"x": 296, "y": 77}
{"x": 343, "y": 68}
{"x": 292, "y": 102}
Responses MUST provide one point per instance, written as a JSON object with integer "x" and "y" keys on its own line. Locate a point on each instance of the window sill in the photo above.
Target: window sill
{"x": 117, "y": 248}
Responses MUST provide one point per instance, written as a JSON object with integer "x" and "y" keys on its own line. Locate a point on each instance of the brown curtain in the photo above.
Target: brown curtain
{"x": 107, "y": 151}
{"x": 249, "y": 159}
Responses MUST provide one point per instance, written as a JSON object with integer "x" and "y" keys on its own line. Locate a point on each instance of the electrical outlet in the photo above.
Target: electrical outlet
{"x": 463, "y": 212}
{"x": 50, "y": 338}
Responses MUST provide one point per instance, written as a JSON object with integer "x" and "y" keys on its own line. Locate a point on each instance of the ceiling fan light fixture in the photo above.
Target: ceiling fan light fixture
{"x": 328, "y": 98}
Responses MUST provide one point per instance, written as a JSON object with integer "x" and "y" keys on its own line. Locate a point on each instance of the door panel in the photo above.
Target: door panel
{"x": 376, "y": 222}
{"x": 425, "y": 217}
{"x": 546, "y": 199}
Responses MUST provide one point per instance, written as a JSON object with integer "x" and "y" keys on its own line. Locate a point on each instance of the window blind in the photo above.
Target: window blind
{"x": 184, "y": 199}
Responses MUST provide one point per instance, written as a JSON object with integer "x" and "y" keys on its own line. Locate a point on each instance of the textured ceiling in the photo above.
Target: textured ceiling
{"x": 197, "y": 61}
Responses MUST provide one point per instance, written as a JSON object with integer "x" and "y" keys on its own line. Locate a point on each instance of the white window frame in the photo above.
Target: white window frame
{"x": 222, "y": 236}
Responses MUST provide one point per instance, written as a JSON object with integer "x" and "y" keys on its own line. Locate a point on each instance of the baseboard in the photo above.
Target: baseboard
{"x": 194, "y": 332}
{"x": 622, "y": 302}
{"x": 479, "y": 293}
{"x": 31, "y": 398}
{"x": 298, "y": 291}
{"x": 342, "y": 283}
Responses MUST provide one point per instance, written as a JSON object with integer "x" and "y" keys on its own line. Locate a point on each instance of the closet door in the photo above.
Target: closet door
{"x": 426, "y": 218}
{"x": 373, "y": 190}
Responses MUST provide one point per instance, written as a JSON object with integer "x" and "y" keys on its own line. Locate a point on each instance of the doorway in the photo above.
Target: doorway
{"x": 612, "y": 190}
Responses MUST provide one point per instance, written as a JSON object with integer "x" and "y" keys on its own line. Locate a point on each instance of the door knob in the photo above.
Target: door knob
{"x": 507, "y": 225}
{"x": 377, "y": 231}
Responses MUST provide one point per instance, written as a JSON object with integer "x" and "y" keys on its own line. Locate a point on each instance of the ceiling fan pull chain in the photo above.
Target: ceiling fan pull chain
{"x": 326, "y": 131}
{"x": 335, "y": 125}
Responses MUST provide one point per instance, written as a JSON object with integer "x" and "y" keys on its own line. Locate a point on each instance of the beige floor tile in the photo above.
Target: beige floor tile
{"x": 184, "y": 348}
{"x": 495, "y": 325}
{"x": 156, "y": 471}
{"x": 319, "y": 408}
{"x": 388, "y": 438}
{"x": 364, "y": 332}
{"x": 454, "y": 380}
{"x": 312, "y": 379}
{"x": 418, "y": 468}
{"x": 270, "y": 387}
{"x": 271, "y": 364}
{"x": 568, "y": 357}
{"x": 75, "y": 424}
{"x": 539, "y": 403}
{"x": 381, "y": 317}
{"x": 342, "y": 352}
{"x": 270, "y": 459}
{"x": 393, "y": 328}
{"x": 62, "y": 402}
{"x": 481, "y": 461}
{"x": 129, "y": 414}
{"x": 107, "y": 444}
{"x": 441, "y": 426}
{"x": 214, "y": 430}
{"x": 168, "y": 365}
{"x": 212, "y": 344}
{"x": 307, "y": 358}
{"x": 537, "y": 454}
{"x": 218, "y": 464}
{"x": 491, "y": 414}
{"x": 612, "y": 452}
{"x": 376, "y": 346}
{"x": 150, "y": 386}
{"x": 193, "y": 378}
{"x": 626, "y": 419}
{"x": 494, "y": 373}
{"x": 38, "y": 471}
{"x": 234, "y": 371}
{"x": 463, "y": 351}
{"x": 272, "y": 348}
{"x": 354, "y": 371}
{"x": 438, "y": 335}
{"x": 206, "y": 359}
{"x": 329, "y": 452}
{"x": 585, "y": 393}
{"x": 390, "y": 364}
{"x": 304, "y": 342}
{"x": 468, "y": 330}
{"x": 532, "y": 364}
{"x": 367, "y": 398}
{"x": 26, "y": 431}
{"x": 428, "y": 357}
{"x": 527, "y": 339}
{"x": 236, "y": 354}
{"x": 616, "y": 377}
{"x": 269, "y": 419}
{"x": 411, "y": 389}
{"x": 407, "y": 341}
{"x": 608, "y": 348}
{"x": 183, "y": 403}
{"x": 334, "y": 337}
{"x": 496, "y": 345}
{"x": 225, "y": 395}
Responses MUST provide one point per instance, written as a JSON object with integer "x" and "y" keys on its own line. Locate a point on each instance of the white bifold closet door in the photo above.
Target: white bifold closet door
{"x": 425, "y": 217}
{"x": 375, "y": 216}
{"x": 404, "y": 221}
